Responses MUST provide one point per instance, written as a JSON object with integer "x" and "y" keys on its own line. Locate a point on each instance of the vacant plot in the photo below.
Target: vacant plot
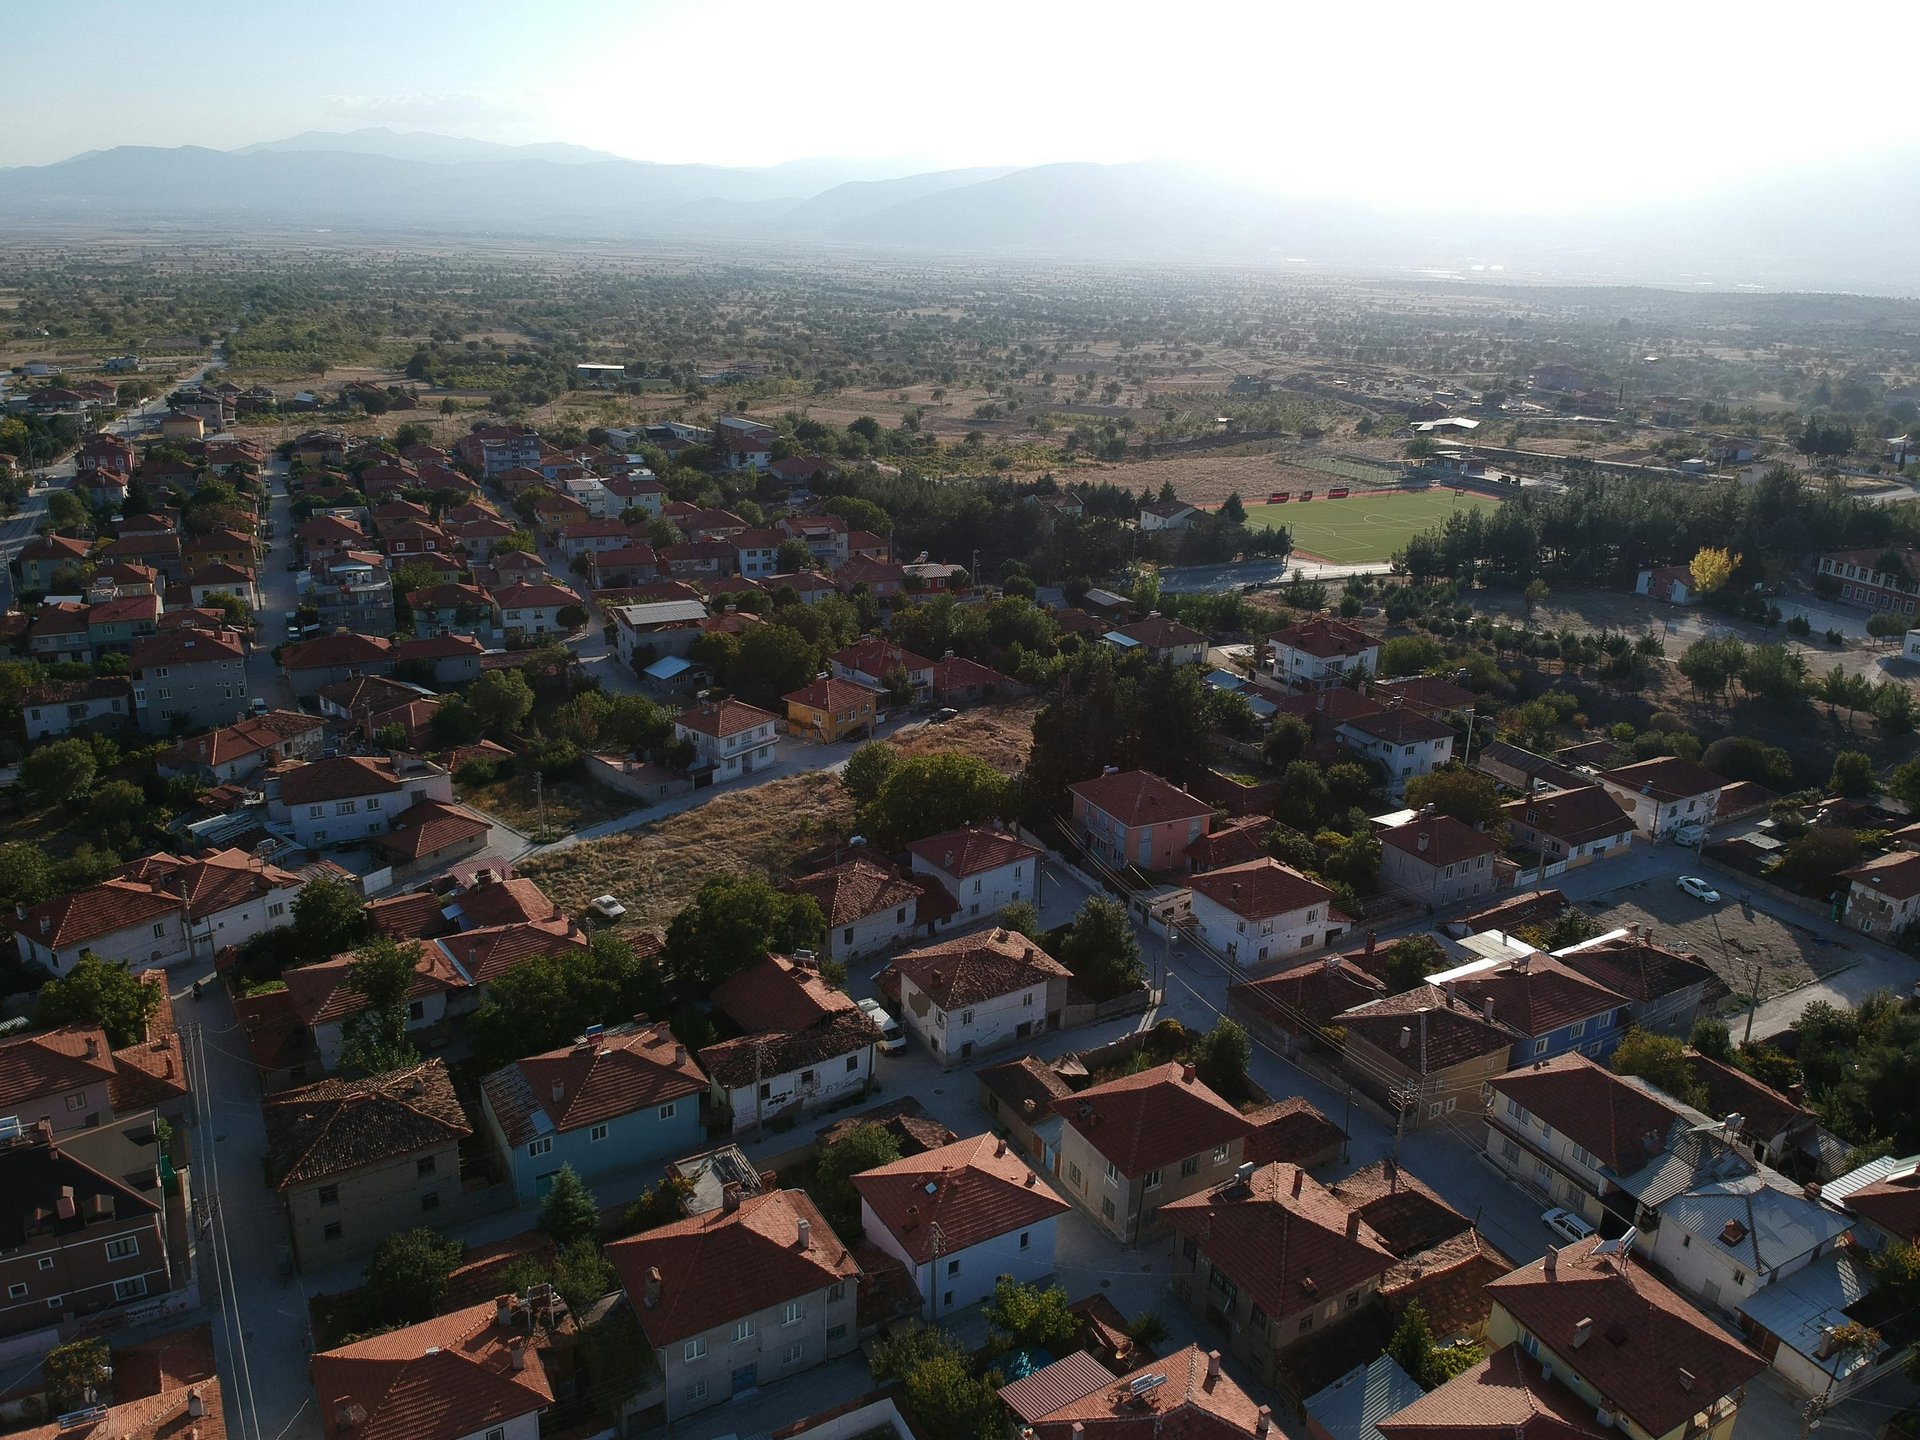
{"x": 763, "y": 830}
{"x": 1734, "y": 937}
{"x": 566, "y": 804}
{"x": 1362, "y": 528}
{"x": 1001, "y": 735}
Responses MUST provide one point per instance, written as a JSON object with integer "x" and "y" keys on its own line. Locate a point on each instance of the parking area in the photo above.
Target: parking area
{"x": 1734, "y": 937}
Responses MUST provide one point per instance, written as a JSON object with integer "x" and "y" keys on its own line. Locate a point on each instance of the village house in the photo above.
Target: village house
{"x": 44, "y": 556}
{"x": 829, "y": 711}
{"x": 983, "y": 870}
{"x": 1403, "y": 742}
{"x": 57, "y": 1078}
{"x": 1883, "y": 894}
{"x": 236, "y": 751}
{"x": 230, "y": 895}
{"x": 878, "y": 663}
{"x": 121, "y": 921}
{"x": 623, "y": 1097}
{"x": 1186, "y": 1393}
{"x": 825, "y": 537}
{"x": 977, "y": 991}
{"x": 1319, "y": 653}
{"x": 729, "y": 739}
{"x": 1550, "y": 1007}
{"x": 1159, "y": 638}
{"x": 1262, "y": 911}
{"x": 622, "y": 565}
{"x": 1136, "y": 818}
{"x": 959, "y": 1217}
{"x": 1167, "y": 515}
{"x": 1298, "y": 1005}
{"x": 1569, "y": 827}
{"x": 352, "y": 591}
{"x": 534, "y": 608}
{"x": 1133, "y": 1145}
{"x": 328, "y": 659}
{"x": 868, "y": 905}
{"x": 1665, "y": 795}
{"x": 1437, "y": 860}
{"x": 1669, "y": 584}
{"x": 1422, "y": 1053}
{"x": 347, "y": 798}
{"x": 805, "y": 1044}
{"x": 61, "y": 707}
{"x": 188, "y": 679}
{"x": 445, "y": 659}
{"x": 322, "y": 1002}
{"x": 354, "y": 1161}
{"x": 1865, "y": 579}
{"x": 1666, "y": 990}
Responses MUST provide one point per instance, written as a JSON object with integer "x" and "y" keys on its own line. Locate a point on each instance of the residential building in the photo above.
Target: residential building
{"x": 1550, "y": 1007}
{"x": 657, "y": 629}
{"x": 743, "y": 444}
{"x": 1624, "y": 1343}
{"x": 60, "y": 707}
{"x": 322, "y": 1002}
{"x": 878, "y": 663}
{"x": 57, "y": 1078}
{"x": 756, "y": 552}
{"x": 1665, "y": 990}
{"x": 958, "y": 681}
{"x": 1403, "y": 742}
{"x": 1525, "y": 771}
{"x": 1570, "y": 828}
{"x": 1270, "y": 1256}
{"x": 1863, "y": 582}
{"x": 1347, "y": 1408}
{"x": 472, "y": 1374}
{"x": 1665, "y": 795}
{"x": 623, "y": 565}
{"x": 1671, "y": 584}
{"x": 734, "y": 1298}
{"x": 122, "y": 921}
{"x": 825, "y": 537}
{"x": 1298, "y": 1005}
{"x": 84, "y": 1222}
{"x": 446, "y": 659}
{"x": 1159, "y": 638}
{"x": 1262, "y": 911}
{"x": 625, "y": 1097}
{"x": 1136, "y": 818}
{"x": 58, "y": 633}
{"x": 1319, "y": 653}
{"x": 730, "y": 738}
{"x": 1133, "y": 1145}
{"x": 1439, "y": 861}
{"x": 983, "y": 870}
{"x": 1167, "y": 515}
{"x": 1568, "y": 1130}
{"x": 236, "y": 751}
{"x": 1422, "y": 1053}
{"x": 354, "y": 1161}
{"x": 806, "y": 1044}
{"x": 977, "y": 991}
{"x": 959, "y": 1217}
{"x": 329, "y": 659}
{"x": 42, "y": 557}
{"x": 188, "y": 679}
{"x": 347, "y": 798}
{"x": 1776, "y": 1129}
{"x": 1182, "y": 1394}
{"x": 230, "y": 895}
{"x": 352, "y": 591}
{"x": 869, "y": 906}
{"x": 1883, "y": 894}
{"x": 829, "y": 711}
{"x": 534, "y": 607}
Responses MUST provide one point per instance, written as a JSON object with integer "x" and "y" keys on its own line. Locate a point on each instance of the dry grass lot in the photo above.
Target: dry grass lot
{"x": 1001, "y": 735}
{"x": 570, "y": 804}
{"x": 1786, "y": 954}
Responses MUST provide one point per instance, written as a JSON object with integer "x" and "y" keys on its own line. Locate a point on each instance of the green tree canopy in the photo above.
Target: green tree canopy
{"x": 928, "y": 794}
{"x": 100, "y": 992}
{"x": 862, "y": 1148}
{"x": 1101, "y": 949}
{"x": 1411, "y": 960}
{"x": 329, "y": 918}
{"x": 568, "y": 1213}
{"x": 1466, "y": 795}
{"x": 60, "y": 773}
{"x": 500, "y": 701}
{"x": 1029, "y": 1315}
{"x": 1222, "y": 1057}
{"x": 407, "y": 1277}
{"x": 376, "y": 1036}
{"x": 1660, "y": 1060}
{"x": 731, "y": 923}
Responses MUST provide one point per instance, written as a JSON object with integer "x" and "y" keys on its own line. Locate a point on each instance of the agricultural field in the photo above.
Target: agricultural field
{"x": 1362, "y": 528}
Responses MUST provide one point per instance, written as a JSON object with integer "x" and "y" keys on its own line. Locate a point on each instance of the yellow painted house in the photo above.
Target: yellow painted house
{"x": 829, "y": 710}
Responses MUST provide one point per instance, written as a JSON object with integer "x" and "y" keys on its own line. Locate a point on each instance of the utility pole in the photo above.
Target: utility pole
{"x": 1753, "y": 1001}
{"x": 540, "y": 798}
{"x": 1404, "y": 1096}
{"x": 1346, "y": 1124}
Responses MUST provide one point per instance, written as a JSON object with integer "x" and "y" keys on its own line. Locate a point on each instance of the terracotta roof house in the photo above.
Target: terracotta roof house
{"x": 1293, "y": 1132}
{"x": 1318, "y": 653}
{"x": 163, "y": 1389}
{"x": 429, "y": 833}
{"x": 134, "y": 924}
{"x": 1298, "y": 1005}
{"x": 1665, "y": 794}
{"x": 1507, "y": 1396}
{"x": 1425, "y": 1048}
{"x": 325, "y": 1002}
{"x": 354, "y": 1160}
{"x": 869, "y": 905}
{"x": 1263, "y": 911}
{"x": 806, "y": 1044}
{"x": 1132, "y": 1145}
{"x": 1186, "y": 1394}
{"x": 59, "y": 1078}
{"x": 1883, "y": 894}
{"x": 492, "y": 900}
{"x": 346, "y": 799}
{"x": 238, "y": 750}
{"x": 1167, "y": 515}
{"x": 1134, "y": 818}
{"x": 1439, "y": 861}
{"x": 758, "y": 1289}
{"x": 1666, "y": 991}
{"x": 983, "y": 869}
{"x": 188, "y": 679}
{"x": 1019, "y": 1095}
{"x": 330, "y": 658}
{"x": 730, "y": 739}
{"x": 1779, "y": 1128}
{"x": 959, "y": 1217}
{"x": 1159, "y": 638}
{"x": 231, "y": 895}
{"x": 1552, "y": 1008}
{"x": 977, "y": 991}
{"x": 621, "y": 1097}
{"x": 469, "y": 1372}
{"x": 1402, "y": 742}
{"x": 1231, "y": 842}
{"x": 1275, "y": 1253}
{"x": 958, "y": 681}
{"x": 1570, "y": 827}
{"x": 870, "y": 660}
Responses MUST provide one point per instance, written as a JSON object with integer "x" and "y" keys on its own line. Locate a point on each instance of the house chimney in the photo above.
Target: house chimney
{"x": 1187, "y": 1073}
{"x": 1370, "y": 939}
{"x": 503, "y": 1309}
{"x": 559, "y": 1091}
{"x": 730, "y": 1196}
{"x": 1299, "y": 1179}
{"x": 19, "y": 909}
{"x": 652, "y": 1297}
{"x": 806, "y": 1235}
{"x": 1551, "y": 1263}
{"x": 999, "y": 1147}
{"x": 1406, "y": 1037}
{"x": 679, "y": 1055}
{"x": 1353, "y": 1225}
{"x": 196, "y": 1405}
{"x": 64, "y": 1206}
{"x": 1263, "y": 1423}
{"x": 1486, "y": 1009}
{"x": 1422, "y": 846}
{"x": 93, "y": 1048}
{"x": 1582, "y": 1331}
{"x": 517, "y": 1352}
{"x": 1213, "y": 1366}
{"x": 913, "y": 1217}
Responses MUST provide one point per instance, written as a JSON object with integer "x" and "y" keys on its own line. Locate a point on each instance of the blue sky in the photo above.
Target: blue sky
{"x": 1507, "y": 103}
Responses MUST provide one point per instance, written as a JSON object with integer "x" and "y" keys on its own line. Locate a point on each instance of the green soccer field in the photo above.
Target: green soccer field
{"x": 1362, "y": 528}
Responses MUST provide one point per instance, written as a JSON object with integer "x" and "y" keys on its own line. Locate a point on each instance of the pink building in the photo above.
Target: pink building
{"x": 1136, "y": 818}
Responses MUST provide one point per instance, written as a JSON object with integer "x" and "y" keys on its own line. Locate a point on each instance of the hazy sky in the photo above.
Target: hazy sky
{"x": 1514, "y": 106}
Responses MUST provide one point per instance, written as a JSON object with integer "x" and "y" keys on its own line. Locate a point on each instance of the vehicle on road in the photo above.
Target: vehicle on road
{"x": 1566, "y": 1224}
{"x": 1698, "y": 889}
{"x": 606, "y": 907}
{"x": 1688, "y": 835}
{"x": 257, "y": 705}
{"x": 893, "y": 1039}
{"x": 941, "y": 717}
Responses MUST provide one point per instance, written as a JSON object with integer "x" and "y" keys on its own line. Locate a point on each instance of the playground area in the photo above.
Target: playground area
{"x": 1348, "y": 525}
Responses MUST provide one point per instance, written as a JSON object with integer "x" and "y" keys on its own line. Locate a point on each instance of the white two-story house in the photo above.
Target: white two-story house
{"x": 347, "y": 798}
{"x": 983, "y": 870}
{"x": 122, "y": 921}
{"x": 974, "y": 992}
{"x": 1321, "y": 652}
{"x": 729, "y": 739}
{"x": 1665, "y": 794}
{"x": 1263, "y": 911}
{"x": 1403, "y": 742}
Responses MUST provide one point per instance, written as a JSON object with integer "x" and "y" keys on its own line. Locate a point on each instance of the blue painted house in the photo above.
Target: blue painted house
{"x": 617, "y": 1099}
{"x": 1551, "y": 1008}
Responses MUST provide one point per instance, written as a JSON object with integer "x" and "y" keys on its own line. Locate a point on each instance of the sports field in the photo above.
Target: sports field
{"x": 1363, "y": 527}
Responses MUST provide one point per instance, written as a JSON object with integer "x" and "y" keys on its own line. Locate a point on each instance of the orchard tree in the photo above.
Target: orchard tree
{"x": 734, "y": 921}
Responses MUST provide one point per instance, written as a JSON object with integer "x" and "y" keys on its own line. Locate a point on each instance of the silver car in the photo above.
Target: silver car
{"x": 893, "y": 1039}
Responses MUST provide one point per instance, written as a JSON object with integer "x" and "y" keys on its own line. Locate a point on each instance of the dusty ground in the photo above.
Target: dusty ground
{"x": 1732, "y": 937}
{"x": 570, "y": 804}
{"x": 766, "y": 830}
{"x": 1001, "y": 735}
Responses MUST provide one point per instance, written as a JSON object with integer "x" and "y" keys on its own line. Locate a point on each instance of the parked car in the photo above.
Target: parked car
{"x": 257, "y": 705}
{"x": 941, "y": 717}
{"x": 1699, "y": 889}
{"x": 893, "y": 1038}
{"x": 606, "y": 907}
{"x": 1567, "y": 1225}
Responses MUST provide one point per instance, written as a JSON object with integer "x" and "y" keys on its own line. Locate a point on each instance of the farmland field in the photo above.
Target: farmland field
{"x": 1364, "y": 527}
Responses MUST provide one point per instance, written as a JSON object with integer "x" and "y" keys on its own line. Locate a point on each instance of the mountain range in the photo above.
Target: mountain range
{"x": 1838, "y": 226}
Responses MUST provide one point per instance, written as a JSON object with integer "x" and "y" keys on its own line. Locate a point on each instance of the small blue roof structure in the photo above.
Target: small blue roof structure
{"x": 669, "y": 667}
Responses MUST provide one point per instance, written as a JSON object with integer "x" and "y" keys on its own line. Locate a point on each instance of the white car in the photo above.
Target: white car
{"x": 606, "y": 907}
{"x": 893, "y": 1039}
{"x": 1567, "y": 1225}
{"x": 1699, "y": 889}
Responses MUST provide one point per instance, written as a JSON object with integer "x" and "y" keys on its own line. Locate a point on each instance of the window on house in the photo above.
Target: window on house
{"x": 332, "y": 1232}
{"x": 123, "y": 1247}
{"x": 46, "y": 1262}
{"x": 275, "y": 910}
{"x": 966, "y": 1017}
{"x": 837, "y": 1291}
{"x": 1540, "y": 1046}
{"x": 16, "y": 1292}
{"x": 1306, "y": 1324}
{"x": 1106, "y": 1208}
{"x": 1026, "y": 1239}
{"x": 791, "y": 1355}
{"x": 1153, "y": 1179}
{"x": 1220, "y": 1154}
{"x": 498, "y": 1432}
{"x": 1509, "y": 1151}
{"x": 1189, "y": 1167}
{"x": 430, "y": 1200}
{"x": 742, "y": 1330}
{"x": 790, "y": 1313}
{"x": 1113, "y": 1173}
{"x": 1073, "y": 1174}
{"x": 597, "y": 1134}
{"x": 672, "y": 1108}
{"x": 329, "y": 1194}
{"x": 1577, "y": 1029}
{"x": 694, "y": 1350}
{"x": 542, "y": 1146}
{"x": 953, "y": 1267}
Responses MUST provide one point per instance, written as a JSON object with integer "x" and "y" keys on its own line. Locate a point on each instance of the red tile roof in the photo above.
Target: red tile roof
{"x": 321, "y": 995}
{"x": 442, "y": 1379}
{"x": 1291, "y": 1132}
{"x": 1401, "y": 726}
{"x": 1893, "y": 1204}
{"x": 1439, "y": 1036}
{"x": 1235, "y": 842}
{"x": 338, "y": 777}
{"x": 1896, "y": 874}
{"x": 1306, "y": 997}
{"x": 1139, "y": 797}
{"x": 503, "y": 902}
{"x": 1620, "y": 1124}
{"x": 625, "y": 1069}
{"x": 850, "y": 892}
{"x": 322, "y": 1131}
{"x": 1261, "y": 889}
{"x": 1191, "y": 1404}
{"x": 346, "y": 648}
{"x": 945, "y": 1200}
{"x": 1665, "y": 778}
{"x": 1504, "y": 1397}
{"x": 534, "y": 595}
{"x": 1438, "y": 840}
{"x": 1652, "y": 1356}
{"x": 737, "y": 1063}
{"x": 971, "y": 851}
{"x": 427, "y": 827}
{"x": 152, "y": 1071}
{"x": 1575, "y": 817}
{"x": 832, "y": 694}
{"x": 1640, "y": 969}
{"x": 874, "y": 655}
{"x": 776, "y": 993}
{"x": 1535, "y": 994}
{"x": 716, "y": 1267}
{"x": 1157, "y": 632}
{"x": 103, "y": 909}
{"x": 69, "y": 1058}
{"x": 166, "y": 1414}
{"x": 212, "y": 883}
{"x": 1324, "y": 639}
{"x": 1152, "y": 1119}
{"x": 729, "y": 717}
{"x": 184, "y": 647}
{"x": 973, "y": 968}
